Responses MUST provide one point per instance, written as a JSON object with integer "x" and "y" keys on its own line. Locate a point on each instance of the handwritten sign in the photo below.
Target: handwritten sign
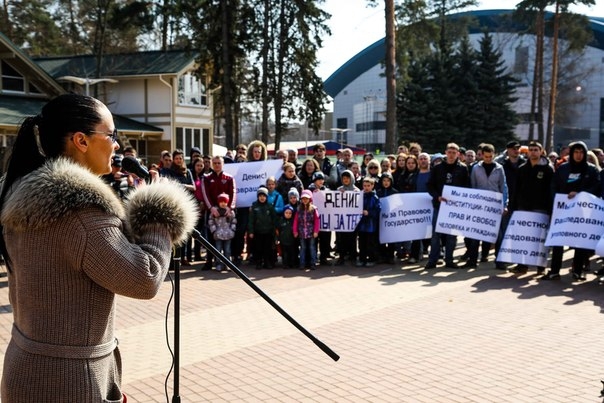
{"x": 249, "y": 176}
{"x": 576, "y": 222}
{"x": 472, "y": 213}
{"x": 339, "y": 211}
{"x": 405, "y": 217}
{"x": 524, "y": 239}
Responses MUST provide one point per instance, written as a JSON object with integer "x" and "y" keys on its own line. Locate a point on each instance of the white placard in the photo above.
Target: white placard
{"x": 576, "y": 222}
{"x": 524, "y": 239}
{"x": 249, "y": 176}
{"x": 338, "y": 211}
{"x": 405, "y": 217}
{"x": 472, "y": 213}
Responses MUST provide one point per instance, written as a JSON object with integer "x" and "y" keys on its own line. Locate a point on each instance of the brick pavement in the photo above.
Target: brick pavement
{"x": 404, "y": 335}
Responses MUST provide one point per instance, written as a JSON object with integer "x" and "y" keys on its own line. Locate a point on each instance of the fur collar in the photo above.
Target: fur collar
{"x": 53, "y": 191}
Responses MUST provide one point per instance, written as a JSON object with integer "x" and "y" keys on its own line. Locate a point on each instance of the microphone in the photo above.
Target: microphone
{"x": 131, "y": 164}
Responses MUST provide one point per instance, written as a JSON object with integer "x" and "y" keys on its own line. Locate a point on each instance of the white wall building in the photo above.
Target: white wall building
{"x": 358, "y": 88}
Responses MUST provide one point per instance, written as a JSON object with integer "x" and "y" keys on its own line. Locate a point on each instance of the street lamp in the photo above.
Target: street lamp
{"x": 340, "y": 134}
{"x": 86, "y": 81}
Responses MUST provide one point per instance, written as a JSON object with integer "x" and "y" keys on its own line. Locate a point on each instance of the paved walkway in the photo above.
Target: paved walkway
{"x": 404, "y": 335}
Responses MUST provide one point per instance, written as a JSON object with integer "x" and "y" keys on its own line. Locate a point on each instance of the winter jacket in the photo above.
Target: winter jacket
{"x": 214, "y": 184}
{"x": 275, "y": 199}
{"x": 286, "y": 231}
{"x": 306, "y": 222}
{"x": 534, "y": 187}
{"x": 284, "y": 184}
{"x": 223, "y": 227}
{"x": 577, "y": 176}
{"x": 371, "y": 203}
{"x": 72, "y": 246}
{"x": 494, "y": 182}
{"x": 262, "y": 219}
{"x": 455, "y": 174}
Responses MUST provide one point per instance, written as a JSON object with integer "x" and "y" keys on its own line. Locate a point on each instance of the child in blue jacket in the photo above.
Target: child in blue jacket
{"x": 368, "y": 225}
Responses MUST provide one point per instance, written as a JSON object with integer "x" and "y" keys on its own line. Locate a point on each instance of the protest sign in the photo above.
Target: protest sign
{"x": 338, "y": 211}
{"x": 472, "y": 213}
{"x": 524, "y": 239}
{"x": 405, "y": 217}
{"x": 249, "y": 176}
{"x": 576, "y": 222}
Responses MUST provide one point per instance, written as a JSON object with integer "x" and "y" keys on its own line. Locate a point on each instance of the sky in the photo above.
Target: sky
{"x": 354, "y": 26}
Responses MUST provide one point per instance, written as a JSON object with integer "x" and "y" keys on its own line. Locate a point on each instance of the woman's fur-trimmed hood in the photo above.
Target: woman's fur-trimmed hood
{"x": 61, "y": 186}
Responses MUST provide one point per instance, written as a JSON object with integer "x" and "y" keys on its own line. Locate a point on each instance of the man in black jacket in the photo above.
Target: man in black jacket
{"x": 576, "y": 175}
{"x": 533, "y": 189}
{"x": 450, "y": 172}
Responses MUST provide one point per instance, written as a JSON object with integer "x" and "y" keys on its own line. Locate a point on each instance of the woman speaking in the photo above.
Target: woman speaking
{"x": 70, "y": 245}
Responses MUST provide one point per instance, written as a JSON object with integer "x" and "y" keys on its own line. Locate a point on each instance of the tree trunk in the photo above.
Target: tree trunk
{"x": 554, "y": 83}
{"x": 265, "y": 70}
{"x": 537, "y": 76}
{"x": 227, "y": 90}
{"x": 391, "y": 132}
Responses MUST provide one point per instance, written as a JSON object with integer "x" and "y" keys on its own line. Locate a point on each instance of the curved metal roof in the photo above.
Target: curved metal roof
{"x": 374, "y": 53}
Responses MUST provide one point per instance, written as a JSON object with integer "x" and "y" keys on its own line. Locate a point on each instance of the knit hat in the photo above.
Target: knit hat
{"x": 293, "y": 192}
{"x": 223, "y": 197}
{"x": 318, "y": 175}
{"x": 306, "y": 193}
{"x": 288, "y": 207}
{"x": 262, "y": 191}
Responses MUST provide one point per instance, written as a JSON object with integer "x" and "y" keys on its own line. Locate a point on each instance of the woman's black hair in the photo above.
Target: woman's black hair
{"x": 44, "y": 136}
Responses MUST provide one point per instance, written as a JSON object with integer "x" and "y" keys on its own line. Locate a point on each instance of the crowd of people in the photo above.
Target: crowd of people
{"x": 282, "y": 225}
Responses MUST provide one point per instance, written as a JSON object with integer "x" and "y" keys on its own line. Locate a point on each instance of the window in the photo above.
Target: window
{"x": 191, "y": 91}
{"x": 187, "y": 137}
{"x": 11, "y": 79}
{"x": 521, "y": 60}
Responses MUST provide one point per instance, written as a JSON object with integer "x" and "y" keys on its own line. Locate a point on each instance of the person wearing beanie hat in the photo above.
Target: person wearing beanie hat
{"x": 576, "y": 175}
{"x": 293, "y": 192}
{"x": 262, "y": 190}
{"x": 261, "y": 229}
{"x": 306, "y": 229}
{"x": 223, "y": 228}
{"x": 285, "y": 235}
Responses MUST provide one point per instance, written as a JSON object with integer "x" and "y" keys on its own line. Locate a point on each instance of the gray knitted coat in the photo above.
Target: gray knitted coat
{"x": 73, "y": 245}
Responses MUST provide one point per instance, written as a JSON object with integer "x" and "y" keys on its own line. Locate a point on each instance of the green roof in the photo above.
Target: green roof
{"x": 121, "y": 64}
{"x": 14, "y": 109}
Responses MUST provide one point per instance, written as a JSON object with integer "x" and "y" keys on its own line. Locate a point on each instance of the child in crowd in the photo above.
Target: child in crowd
{"x": 293, "y": 196}
{"x": 306, "y": 229}
{"x": 261, "y": 229}
{"x": 368, "y": 225}
{"x": 287, "y": 241}
{"x": 346, "y": 241}
{"x": 274, "y": 198}
{"x": 386, "y": 250}
{"x": 317, "y": 185}
{"x": 288, "y": 180}
{"x": 223, "y": 228}
{"x": 294, "y": 201}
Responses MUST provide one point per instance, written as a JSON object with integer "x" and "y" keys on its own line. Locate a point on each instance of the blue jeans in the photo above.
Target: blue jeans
{"x": 450, "y": 242}
{"x": 310, "y": 245}
{"x": 224, "y": 247}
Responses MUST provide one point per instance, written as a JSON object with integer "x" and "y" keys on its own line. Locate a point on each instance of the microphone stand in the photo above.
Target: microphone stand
{"x": 227, "y": 262}
{"x": 176, "y": 266}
